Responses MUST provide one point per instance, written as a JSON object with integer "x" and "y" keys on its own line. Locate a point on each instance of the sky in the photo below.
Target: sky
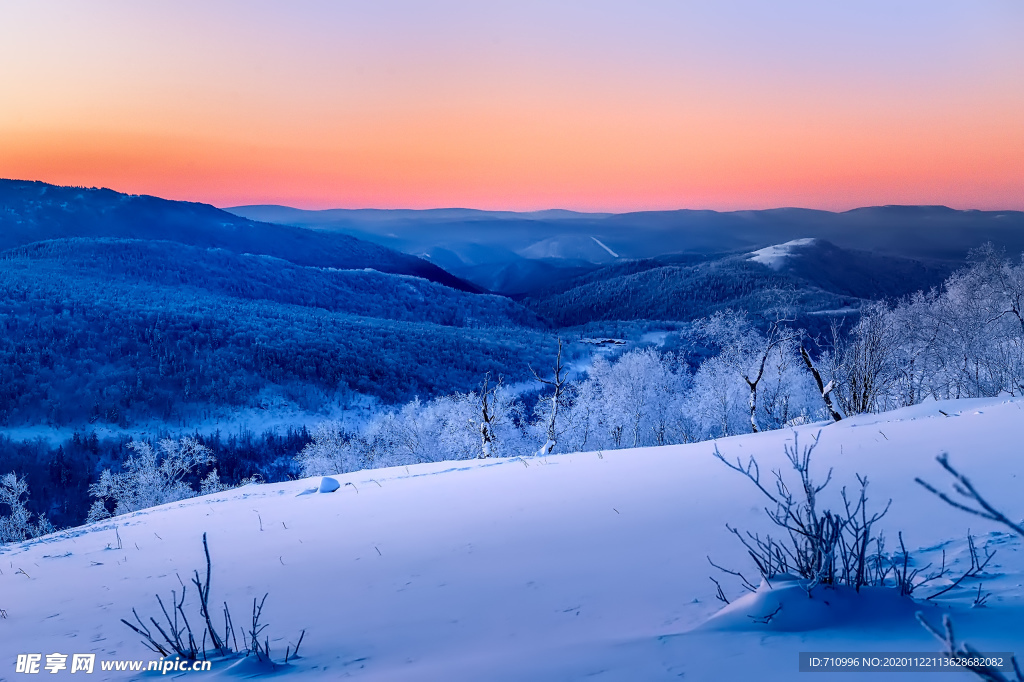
{"x": 520, "y": 105}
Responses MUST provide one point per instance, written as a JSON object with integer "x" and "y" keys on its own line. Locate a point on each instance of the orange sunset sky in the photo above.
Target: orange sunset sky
{"x": 608, "y": 106}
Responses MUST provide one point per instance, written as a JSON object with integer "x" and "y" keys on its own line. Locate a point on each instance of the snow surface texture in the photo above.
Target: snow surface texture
{"x": 569, "y": 567}
{"x": 775, "y": 256}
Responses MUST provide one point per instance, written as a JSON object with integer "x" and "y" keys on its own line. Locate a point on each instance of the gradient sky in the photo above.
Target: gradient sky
{"x": 588, "y": 105}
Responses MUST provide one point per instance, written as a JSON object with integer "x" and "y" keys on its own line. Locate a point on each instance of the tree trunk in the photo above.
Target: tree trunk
{"x": 487, "y": 418}
{"x": 485, "y": 440}
{"x": 825, "y": 391}
{"x": 552, "y": 439}
{"x": 753, "y": 405}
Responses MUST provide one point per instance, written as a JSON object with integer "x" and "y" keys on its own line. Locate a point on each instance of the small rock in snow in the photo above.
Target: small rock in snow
{"x": 329, "y": 485}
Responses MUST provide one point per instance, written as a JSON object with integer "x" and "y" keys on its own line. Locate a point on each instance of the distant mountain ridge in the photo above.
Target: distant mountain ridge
{"x": 524, "y": 252}
{"x": 35, "y": 211}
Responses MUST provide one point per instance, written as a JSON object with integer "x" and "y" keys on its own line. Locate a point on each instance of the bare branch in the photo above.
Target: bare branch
{"x": 963, "y": 653}
{"x": 964, "y": 488}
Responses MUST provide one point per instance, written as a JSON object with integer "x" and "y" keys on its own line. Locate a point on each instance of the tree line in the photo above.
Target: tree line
{"x": 962, "y": 340}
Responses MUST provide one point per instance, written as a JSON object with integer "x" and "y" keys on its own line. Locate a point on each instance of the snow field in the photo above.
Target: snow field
{"x": 578, "y": 566}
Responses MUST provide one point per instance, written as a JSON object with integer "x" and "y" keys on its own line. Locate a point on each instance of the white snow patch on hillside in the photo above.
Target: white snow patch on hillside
{"x": 775, "y": 256}
{"x": 569, "y": 567}
{"x": 605, "y": 247}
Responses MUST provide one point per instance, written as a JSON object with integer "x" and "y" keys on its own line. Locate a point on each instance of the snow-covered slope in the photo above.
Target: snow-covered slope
{"x": 775, "y": 256}
{"x": 584, "y": 248}
{"x": 583, "y": 566}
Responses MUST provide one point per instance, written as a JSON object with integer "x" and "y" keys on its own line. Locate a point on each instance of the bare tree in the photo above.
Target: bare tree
{"x": 776, "y": 337}
{"x": 558, "y": 384}
{"x": 487, "y": 416}
{"x": 867, "y": 361}
{"x": 825, "y": 389}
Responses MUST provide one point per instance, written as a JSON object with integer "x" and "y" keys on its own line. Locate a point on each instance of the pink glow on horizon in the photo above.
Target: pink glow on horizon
{"x": 587, "y": 106}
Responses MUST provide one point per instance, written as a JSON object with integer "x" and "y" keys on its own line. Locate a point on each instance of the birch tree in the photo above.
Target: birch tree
{"x": 557, "y": 382}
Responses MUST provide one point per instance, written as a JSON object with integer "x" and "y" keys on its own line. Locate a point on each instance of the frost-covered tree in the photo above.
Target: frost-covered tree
{"x": 980, "y": 328}
{"x": 581, "y": 417}
{"x": 498, "y": 410}
{"x": 150, "y": 477}
{"x": 557, "y": 382}
{"x": 751, "y": 351}
{"x": 637, "y": 378}
{"x": 867, "y": 369}
{"x": 964, "y": 340}
{"x": 999, "y": 284}
{"x": 446, "y": 428}
{"x": 329, "y": 452}
{"x": 717, "y": 401}
{"x": 425, "y": 432}
{"x": 636, "y": 400}
{"x": 17, "y": 524}
{"x": 212, "y": 483}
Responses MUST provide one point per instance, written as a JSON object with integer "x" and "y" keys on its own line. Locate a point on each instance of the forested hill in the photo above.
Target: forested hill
{"x": 120, "y": 330}
{"x": 35, "y": 211}
{"x": 219, "y": 272}
{"x": 815, "y": 274}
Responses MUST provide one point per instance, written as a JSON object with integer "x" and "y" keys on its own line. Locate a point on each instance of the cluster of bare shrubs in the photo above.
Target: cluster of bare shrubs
{"x": 175, "y": 636}
{"x": 841, "y": 548}
{"x": 820, "y": 545}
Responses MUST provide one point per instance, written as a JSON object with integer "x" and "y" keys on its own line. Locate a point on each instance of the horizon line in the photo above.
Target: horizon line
{"x": 229, "y": 208}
